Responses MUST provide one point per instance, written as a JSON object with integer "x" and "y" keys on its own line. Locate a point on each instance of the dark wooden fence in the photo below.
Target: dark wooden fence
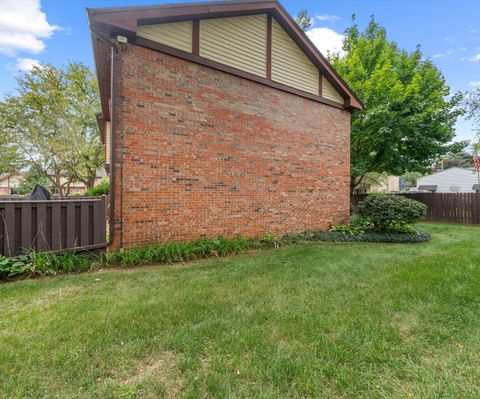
{"x": 444, "y": 207}
{"x": 64, "y": 224}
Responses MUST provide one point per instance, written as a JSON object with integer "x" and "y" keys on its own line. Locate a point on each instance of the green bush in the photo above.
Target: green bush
{"x": 100, "y": 189}
{"x": 386, "y": 211}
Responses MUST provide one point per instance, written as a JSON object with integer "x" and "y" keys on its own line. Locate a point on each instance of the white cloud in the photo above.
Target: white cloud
{"x": 326, "y": 18}
{"x": 26, "y": 64}
{"x": 475, "y": 84}
{"x": 327, "y": 40}
{"x": 23, "y": 27}
{"x": 475, "y": 58}
{"x": 447, "y": 53}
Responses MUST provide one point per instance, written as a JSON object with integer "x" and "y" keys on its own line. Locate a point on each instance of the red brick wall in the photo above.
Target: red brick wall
{"x": 203, "y": 153}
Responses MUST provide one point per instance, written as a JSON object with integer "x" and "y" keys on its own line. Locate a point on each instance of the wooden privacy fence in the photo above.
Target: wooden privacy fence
{"x": 444, "y": 207}
{"x": 64, "y": 224}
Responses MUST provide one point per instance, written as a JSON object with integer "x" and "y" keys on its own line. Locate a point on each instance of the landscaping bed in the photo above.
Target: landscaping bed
{"x": 415, "y": 236}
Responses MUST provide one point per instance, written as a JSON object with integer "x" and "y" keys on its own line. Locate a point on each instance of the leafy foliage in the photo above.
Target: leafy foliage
{"x": 51, "y": 122}
{"x": 375, "y": 236}
{"x": 303, "y": 20}
{"x": 385, "y": 211}
{"x": 30, "y": 178}
{"x": 473, "y": 106}
{"x": 179, "y": 251}
{"x": 101, "y": 189}
{"x": 10, "y": 159}
{"x": 407, "y": 121}
{"x": 412, "y": 177}
{"x": 34, "y": 264}
{"x": 347, "y": 229}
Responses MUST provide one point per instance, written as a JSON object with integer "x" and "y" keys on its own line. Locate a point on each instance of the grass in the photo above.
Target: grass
{"x": 320, "y": 320}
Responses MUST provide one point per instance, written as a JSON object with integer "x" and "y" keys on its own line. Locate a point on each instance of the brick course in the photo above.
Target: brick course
{"x": 200, "y": 152}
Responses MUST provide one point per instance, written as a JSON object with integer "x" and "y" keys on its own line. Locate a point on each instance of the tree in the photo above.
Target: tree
{"x": 10, "y": 159}
{"x": 412, "y": 177}
{"x": 407, "y": 121}
{"x": 52, "y": 121}
{"x": 30, "y": 178}
{"x": 473, "y": 107}
{"x": 303, "y": 20}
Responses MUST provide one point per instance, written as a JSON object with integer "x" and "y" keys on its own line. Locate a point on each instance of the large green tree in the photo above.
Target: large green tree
{"x": 408, "y": 119}
{"x": 473, "y": 106}
{"x": 51, "y": 119}
{"x": 10, "y": 159}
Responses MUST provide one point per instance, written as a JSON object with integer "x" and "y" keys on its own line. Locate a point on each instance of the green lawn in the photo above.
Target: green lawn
{"x": 317, "y": 320}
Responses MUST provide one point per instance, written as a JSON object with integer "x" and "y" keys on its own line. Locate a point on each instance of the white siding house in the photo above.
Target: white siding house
{"x": 452, "y": 180}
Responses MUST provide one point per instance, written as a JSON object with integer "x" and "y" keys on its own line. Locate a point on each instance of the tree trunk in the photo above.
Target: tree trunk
{"x": 354, "y": 182}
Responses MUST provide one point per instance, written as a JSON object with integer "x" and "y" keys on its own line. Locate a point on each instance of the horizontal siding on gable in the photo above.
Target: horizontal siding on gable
{"x": 329, "y": 92}
{"x": 290, "y": 65}
{"x": 240, "y": 42}
{"x": 176, "y": 34}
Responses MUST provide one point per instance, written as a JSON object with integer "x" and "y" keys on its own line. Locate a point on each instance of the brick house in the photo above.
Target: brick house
{"x": 219, "y": 118}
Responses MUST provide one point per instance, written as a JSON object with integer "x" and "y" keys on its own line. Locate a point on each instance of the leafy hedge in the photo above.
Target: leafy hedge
{"x": 384, "y": 211}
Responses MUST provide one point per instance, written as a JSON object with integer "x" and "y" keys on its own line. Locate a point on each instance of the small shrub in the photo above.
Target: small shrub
{"x": 347, "y": 229}
{"x": 100, "y": 189}
{"x": 385, "y": 211}
{"x": 270, "y": 240}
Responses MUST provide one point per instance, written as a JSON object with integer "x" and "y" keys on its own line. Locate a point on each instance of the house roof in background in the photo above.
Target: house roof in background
{"x": 107, "y": 23}
{"x": 6, "y": 175}
{"x": 449, "y": 169}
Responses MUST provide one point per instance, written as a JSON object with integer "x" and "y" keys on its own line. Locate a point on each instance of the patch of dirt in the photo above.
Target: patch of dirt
{"x": 163, "y": 370}
{"x": 405, "y": 322}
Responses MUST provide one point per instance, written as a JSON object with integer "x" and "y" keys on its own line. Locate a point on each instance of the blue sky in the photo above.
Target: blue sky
{"x": 56, "y": 32}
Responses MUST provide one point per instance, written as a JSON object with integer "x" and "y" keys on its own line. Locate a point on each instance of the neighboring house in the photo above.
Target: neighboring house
{"x": 452, "y": 180}
{"x": 386, "y": 184}
{"x": 222, "y": 118}
{"x": 9, "y": 183}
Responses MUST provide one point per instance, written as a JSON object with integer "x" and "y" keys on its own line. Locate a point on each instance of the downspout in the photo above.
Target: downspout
{"x": 113, "y": 125}
{"x": 113, "y": 93}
